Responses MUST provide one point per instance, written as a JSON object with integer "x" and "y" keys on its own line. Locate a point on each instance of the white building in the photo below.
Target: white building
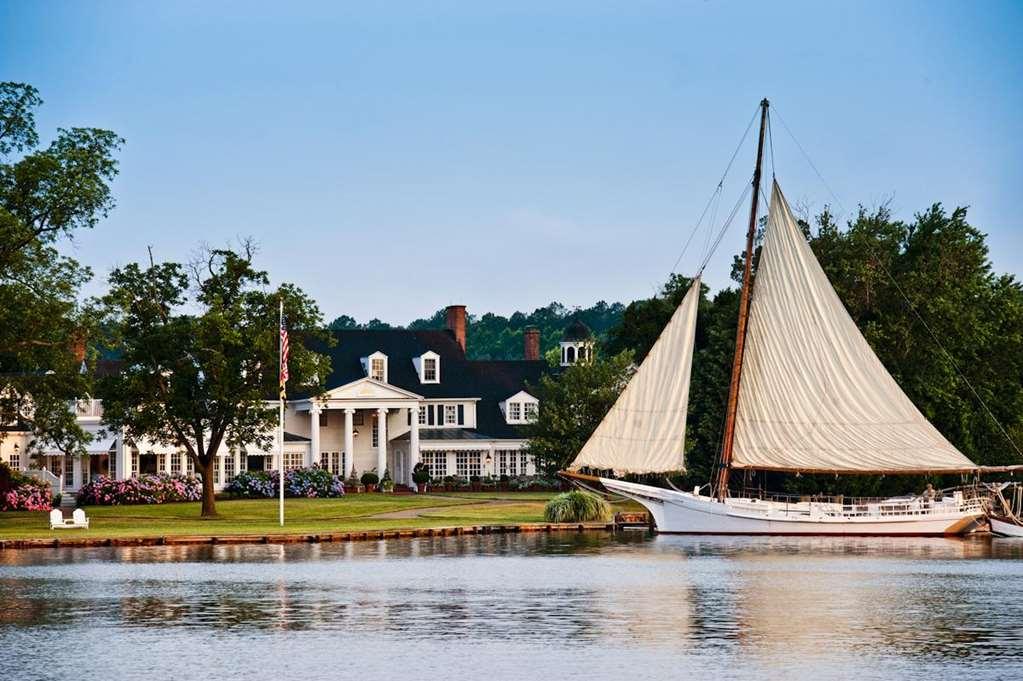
{"x": 394, "y": 397}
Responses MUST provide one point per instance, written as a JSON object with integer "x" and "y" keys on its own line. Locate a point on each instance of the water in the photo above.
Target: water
{"x": 518, "y": 607}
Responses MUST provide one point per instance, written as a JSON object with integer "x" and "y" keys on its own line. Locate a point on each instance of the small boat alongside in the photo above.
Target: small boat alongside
{"x": 1006, "y": 510}
{"x": 807, "y": 395}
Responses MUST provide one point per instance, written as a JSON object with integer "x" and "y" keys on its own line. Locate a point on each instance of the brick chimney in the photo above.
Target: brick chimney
{"x": 531, "y": 343}
{"x": 78, "y": 346}
{"x": 456, "y": 323}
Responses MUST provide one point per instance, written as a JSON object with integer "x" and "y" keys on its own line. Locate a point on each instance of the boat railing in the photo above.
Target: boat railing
{"x": 944, "y": 501}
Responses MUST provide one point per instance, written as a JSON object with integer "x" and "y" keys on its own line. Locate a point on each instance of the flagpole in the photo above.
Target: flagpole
{"x": 280, "y": 412}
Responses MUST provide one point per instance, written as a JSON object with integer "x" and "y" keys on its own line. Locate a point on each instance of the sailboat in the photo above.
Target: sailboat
{"x": 807, "y": 395}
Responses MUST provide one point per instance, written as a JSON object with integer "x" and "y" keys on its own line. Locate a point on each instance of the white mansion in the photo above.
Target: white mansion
{"x": 394, "y": 398}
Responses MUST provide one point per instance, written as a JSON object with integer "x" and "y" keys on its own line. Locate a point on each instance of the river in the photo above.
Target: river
{"x": 525, "y": 606}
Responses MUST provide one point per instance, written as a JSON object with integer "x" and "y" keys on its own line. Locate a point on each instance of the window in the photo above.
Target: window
{"x": 530, "y": 411}
{"x": 333, "y": 462}
{"x": 216, "y": 472}
{"x": 523, "y": 462}
{"x": 450, "y": 414}
{"x": 113, "y": 465}
{"x": 293, "y": 460}
{"x": 514, "y": 411}
{"x": 422, "y": 416}
{"x": 376, "y": 434}
{"x": 161, "y": 463}
{"x": 436, "y": 462}
{"x": 176, "y": 462}
{"x": 467, "y": 464}
{"x": 358, "y": 418}
{"x": 135, "y": 464}
{"x": 14, "y": 459}
{"x": 189, "y": 464}
{"x": 229, "y": 468}
{"x": 570, "y": 355}
{"x": 378, "y": 369}
{"x": 430, "y": 370}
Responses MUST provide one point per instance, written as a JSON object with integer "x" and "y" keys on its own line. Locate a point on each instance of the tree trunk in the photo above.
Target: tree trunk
{"x": 209, "y": 502}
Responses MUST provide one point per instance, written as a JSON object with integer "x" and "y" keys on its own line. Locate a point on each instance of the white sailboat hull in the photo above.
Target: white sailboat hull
{"x": 1005, "y": 529}
{"x": 685, "y": 513}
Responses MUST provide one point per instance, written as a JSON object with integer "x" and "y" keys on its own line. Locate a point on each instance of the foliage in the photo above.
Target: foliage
{"x": 199, "y": 346}
{"x": 45, "y": 197}
{"x": 20, "y": 492}
{"x": 369, "y": 478}
{"x": 576, "y": 506}
{"x": 421, "y": 473}
{"x": 572, "y": 405}
{"x": 493, "y": 336}
{"x": 309, "y": 483}
{"x": 143, "y": 489}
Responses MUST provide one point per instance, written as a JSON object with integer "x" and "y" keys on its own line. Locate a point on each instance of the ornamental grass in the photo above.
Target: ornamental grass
{"x": 576, "y": 507}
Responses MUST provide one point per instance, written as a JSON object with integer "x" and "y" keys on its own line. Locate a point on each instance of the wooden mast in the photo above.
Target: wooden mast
{"x": 721, "y": 482}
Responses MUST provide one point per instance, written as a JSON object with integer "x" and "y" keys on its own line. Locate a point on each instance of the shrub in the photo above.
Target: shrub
{"x": 22, "y": 493}
{"x": 307, "y": 483}
{"x": 576, "y": 507}
{"x": 144, "y": 489}
{"x": 421, "y": 473}
{"x": 370, "y": 478}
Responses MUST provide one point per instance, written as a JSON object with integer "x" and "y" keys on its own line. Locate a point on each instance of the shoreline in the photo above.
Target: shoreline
{"x": 304, "y": 538}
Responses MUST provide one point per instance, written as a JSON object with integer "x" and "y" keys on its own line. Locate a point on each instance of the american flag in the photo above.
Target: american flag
{"x": 284, "y": 356}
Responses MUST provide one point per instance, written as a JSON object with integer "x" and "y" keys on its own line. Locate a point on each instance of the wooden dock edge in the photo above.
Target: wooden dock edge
{"x": 288, "y": 538}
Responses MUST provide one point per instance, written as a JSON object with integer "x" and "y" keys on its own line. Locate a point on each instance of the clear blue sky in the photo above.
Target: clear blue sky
{"x": 392, "y": 161}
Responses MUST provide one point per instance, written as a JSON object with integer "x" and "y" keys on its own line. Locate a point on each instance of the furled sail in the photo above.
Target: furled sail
{"x": 813, "y": 396}
{"x": 645, "y": 430}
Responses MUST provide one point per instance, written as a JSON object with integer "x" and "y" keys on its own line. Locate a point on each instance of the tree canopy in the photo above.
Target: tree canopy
{"x": 199, "y": 347}
{"x": 46, "y": 195}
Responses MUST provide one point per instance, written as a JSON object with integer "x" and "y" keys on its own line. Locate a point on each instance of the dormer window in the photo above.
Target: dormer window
{"x": 520, "y": 408}
{"x": 428, "y": 367}
{"x": 375, "y": 366}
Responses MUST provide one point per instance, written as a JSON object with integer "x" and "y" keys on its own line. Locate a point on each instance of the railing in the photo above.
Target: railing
{"x": 43, "y": 475}
{"x": 963, "y": 500}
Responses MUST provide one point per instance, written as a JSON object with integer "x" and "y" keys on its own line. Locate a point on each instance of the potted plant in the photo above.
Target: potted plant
{"x": 421, "y": 476}
{"x": 353, "y": 485}
{"x": 370, "y": 480}
{"x": 386, "y": 483}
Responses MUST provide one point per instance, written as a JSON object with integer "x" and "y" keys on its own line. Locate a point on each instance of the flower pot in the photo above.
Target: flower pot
{"x": 421, "y": 486}
{"x": 370, "y": 487}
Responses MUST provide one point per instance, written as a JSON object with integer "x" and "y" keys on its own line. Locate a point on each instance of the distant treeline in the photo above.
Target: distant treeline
{"x": 493, "y": 336}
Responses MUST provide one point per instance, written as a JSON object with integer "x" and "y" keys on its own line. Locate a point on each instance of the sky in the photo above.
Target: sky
{"x": 394, "y": 158}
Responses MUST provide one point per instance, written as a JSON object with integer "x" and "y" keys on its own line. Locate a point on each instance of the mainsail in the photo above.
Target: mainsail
{"x": 813, "y": 396}
{"x": 645, "y": 430}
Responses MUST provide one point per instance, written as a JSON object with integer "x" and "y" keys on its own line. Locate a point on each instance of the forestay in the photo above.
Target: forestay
{"x": 645, "y": 430}
{"x": 813, "y": 396}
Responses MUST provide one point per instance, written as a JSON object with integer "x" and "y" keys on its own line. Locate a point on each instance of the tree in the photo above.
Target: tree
{"x": 46, "y": 196}
{"x": 572, "y": 404}
{"x": 199, "y": 346}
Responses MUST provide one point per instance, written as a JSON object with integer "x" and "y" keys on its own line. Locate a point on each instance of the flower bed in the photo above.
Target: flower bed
{"x": 28, "y": 495}
{"x": 144, "y": 489}
{"x": 309, "y": 483}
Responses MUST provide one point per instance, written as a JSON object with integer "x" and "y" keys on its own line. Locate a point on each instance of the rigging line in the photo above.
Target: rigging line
{"x": 724, "y": 228}
{"x": 717, "y": 189}
{"x": 951, "y": 360}
{"x": 770, "y": 138}
{"x": 810, "y": 161}
{"x": 713, "y": 221}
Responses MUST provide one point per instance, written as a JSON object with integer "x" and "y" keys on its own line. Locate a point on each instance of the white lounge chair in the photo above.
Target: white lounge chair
{"x": 77, "y": 519}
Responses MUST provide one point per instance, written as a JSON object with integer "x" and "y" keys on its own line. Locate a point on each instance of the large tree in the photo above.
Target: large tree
{"x": 46, "y": 195}
{"x": 572, "y": 404}
{"x": 199, "y": 346}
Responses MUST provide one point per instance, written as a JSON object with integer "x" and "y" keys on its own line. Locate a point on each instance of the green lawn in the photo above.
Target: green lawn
{"x": 358, "y": 512}
{"x": 354, "y": 513}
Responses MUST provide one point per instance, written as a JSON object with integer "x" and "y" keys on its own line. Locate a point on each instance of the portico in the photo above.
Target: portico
{"x": 354, "y": 428}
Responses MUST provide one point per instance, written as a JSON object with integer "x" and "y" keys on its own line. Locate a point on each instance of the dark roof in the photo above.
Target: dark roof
{"x": 434, "y": 434}
{"x": 576, "y": 331}
{"x": 489, "y": 381}
{"x": 291, "y": 437}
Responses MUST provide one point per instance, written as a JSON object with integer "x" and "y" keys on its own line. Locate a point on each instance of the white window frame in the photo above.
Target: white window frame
{"x": 450, "y": 414}
{"x": 376, "y": 363}
{"x": 431, "y": 365}
{"x": 422, "y": 415}
{"x": 515, "y": 412}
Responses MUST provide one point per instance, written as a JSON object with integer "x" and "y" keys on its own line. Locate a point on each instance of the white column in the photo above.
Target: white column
{"x": 314, "y": 436}
{"x": 123, "y": 455}
{"x": 76, "y": 474}
{"x": 167, "y": 462}
{"x": 413, "y": 450}
{"x": 220, "y": 469}
{"x": 381, "y": 441}
{"x": 349, "y": 443}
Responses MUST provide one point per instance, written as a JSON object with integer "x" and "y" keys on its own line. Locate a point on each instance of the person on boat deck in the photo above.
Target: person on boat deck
{"x": 929, "y": 493}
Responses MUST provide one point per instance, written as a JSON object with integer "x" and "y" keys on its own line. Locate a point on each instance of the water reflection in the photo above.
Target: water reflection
{"x": 631, "y": 602}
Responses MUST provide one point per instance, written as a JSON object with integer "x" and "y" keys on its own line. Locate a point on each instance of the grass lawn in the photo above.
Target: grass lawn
{"x": 354, "y": 513}
{"x": 357, "y": 512}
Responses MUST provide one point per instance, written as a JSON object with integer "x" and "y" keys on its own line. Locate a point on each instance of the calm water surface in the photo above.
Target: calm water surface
{"x": 518, "y": 607}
